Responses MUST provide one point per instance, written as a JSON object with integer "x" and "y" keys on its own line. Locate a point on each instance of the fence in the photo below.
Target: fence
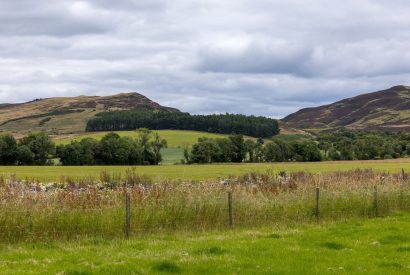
{"x": 165, "y": 207}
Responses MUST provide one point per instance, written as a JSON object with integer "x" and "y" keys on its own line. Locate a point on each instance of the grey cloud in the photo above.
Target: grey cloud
{"x": 59, "y": 18}
{"x": 259, "y": 57}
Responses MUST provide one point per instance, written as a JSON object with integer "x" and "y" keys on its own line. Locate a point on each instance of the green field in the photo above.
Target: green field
{"x": 377, "y": 246}
{"x": 175, "y": 138}
{"x": 199, "y": 172}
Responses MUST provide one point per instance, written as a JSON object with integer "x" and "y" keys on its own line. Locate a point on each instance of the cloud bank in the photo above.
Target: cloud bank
{"x": 256, "y": 57}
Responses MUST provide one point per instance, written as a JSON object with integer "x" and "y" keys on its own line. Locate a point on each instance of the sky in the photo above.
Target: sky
{"x": 260, "y": 57}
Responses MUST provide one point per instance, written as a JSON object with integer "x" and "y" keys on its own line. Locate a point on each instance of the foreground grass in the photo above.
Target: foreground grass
{"x": 377, "y": 246}
{"x": 199, "y": 172}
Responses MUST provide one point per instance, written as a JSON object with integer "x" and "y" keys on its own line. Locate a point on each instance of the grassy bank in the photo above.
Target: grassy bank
{"x": 376, "y": 246}
{"x": 198, "y": 172}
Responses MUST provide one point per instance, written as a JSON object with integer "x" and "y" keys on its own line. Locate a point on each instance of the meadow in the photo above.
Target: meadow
{"x": 30, "y": 211}
{"x": 174, "y": 138}
{"x": 198, "y": 172}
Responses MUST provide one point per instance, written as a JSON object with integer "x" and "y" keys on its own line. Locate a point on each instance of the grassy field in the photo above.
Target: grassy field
{"x": 199, "y": 172}
{"x": 377, "y": 246}
{"x": 175, "y": 138}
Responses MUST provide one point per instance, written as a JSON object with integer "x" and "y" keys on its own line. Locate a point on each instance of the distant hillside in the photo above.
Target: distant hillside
{"x": 62, "y": 115}
{"x": 383, "y": 110}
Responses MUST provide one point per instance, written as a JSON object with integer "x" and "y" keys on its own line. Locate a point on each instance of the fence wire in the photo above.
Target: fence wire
{"x": 43, "y": 220}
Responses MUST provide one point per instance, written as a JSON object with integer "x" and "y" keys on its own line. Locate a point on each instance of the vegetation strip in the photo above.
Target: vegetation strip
{"x": 223, "y": 123}
{"x": 31, "y": 211}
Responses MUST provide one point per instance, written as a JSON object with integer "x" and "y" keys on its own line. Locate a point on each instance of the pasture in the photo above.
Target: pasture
{"x": 175, "y": 138}
{"x": 198, "y": 172}
{"x": 376, "y": 246}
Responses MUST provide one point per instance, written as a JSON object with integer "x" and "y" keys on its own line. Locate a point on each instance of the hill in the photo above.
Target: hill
{"x": 62, "y": 115}
{"x": 383, "y": 110}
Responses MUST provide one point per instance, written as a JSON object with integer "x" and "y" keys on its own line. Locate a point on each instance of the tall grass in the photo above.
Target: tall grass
{"x": 30, "y": 211}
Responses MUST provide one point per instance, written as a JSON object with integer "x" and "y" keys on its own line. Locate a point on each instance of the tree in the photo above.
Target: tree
{"x": 8, "y": 150}
{"x": 148, "y": 154}
{"x": 71, "y": 154}
{"x": 272, "y": 152}
{"x": 40, "y": 145}
{"x": 250, "y": 147}
{"x": 24, "y": 155}
{"x": 157, "y": 145}
{"x": 306, "y": 151}
{"x": 205, "y": 151}
{"x": 238, "y": 148}
{"x": 113, "y": 150}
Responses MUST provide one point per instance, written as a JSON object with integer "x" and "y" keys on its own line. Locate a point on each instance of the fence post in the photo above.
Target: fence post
{"x": 230, "y": 207}
{"x": 402, "y": 189}
{"x": 403, "y": 175}
{"x": 376, "y": 202}
{"x": 317, "y": 212}
{"x": 127, "y": 214}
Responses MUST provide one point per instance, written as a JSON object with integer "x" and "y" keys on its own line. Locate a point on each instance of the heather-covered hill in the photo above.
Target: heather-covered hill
{"x": 60, "y": 115}
{"x": 384, "y": 110}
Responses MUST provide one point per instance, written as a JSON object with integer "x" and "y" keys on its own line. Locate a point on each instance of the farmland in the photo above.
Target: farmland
{"x": 198, "y": 172}
{"x": 175, "y": 138}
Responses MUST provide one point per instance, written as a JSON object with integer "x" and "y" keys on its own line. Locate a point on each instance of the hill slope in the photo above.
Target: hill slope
{"x": 68, "y": 114}
{"x": 384, "y": 110}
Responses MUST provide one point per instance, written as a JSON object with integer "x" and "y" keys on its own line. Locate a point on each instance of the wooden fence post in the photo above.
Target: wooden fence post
{"x": 230, "y": 207}
{"x": 376, "y": 201}
{"x": 317, "y": 212}
{"x": 402, "y": 188}
{"x": 127, "y": 214}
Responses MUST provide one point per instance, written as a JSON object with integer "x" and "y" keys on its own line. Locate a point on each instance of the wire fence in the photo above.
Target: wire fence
{"x": 134, "y": 211}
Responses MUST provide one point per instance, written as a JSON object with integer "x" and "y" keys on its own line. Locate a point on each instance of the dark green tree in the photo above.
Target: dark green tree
{"x": 8, "y": 150}
{"x": 40, "y": 145}
{"x": 24, "y": 155}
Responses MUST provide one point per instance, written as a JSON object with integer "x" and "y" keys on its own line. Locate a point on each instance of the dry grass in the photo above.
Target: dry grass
{"x": 31, "y": 211}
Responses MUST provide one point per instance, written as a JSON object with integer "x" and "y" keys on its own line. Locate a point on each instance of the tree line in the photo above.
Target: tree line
{"x": 38, "y": 149}
{"x": 237, "y": 149}
{"x": 114, "y": 150}
{"x": 362, "y": 145}
{"x": 339, "y": 145}
{"x": 217, "y": 123}
{"x": 33, "y": 149}
{"x": 145, "y": 149}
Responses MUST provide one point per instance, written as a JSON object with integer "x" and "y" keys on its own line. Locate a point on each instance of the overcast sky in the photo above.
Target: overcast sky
{"x": 263, "y": 57}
